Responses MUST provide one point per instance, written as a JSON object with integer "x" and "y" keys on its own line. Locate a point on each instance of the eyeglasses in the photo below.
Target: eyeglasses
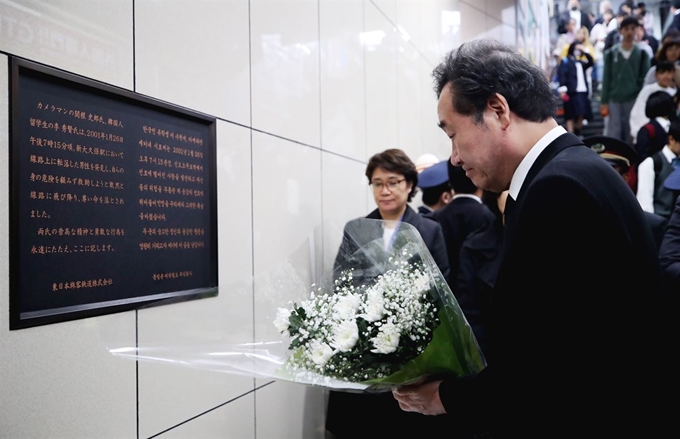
{"x": 391, "y": 185}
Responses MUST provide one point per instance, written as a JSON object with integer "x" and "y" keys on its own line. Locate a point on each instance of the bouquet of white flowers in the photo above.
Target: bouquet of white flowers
{"x": 383, "y": 316}
{"x": 387, "y": 319}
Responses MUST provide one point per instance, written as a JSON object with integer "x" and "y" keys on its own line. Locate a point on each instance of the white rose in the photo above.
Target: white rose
{"x": 345, "y": 335}
{"x": 282, "y": 320}
{"x": 387, "y": 339}
{"x": 347, "y": 306}
{"x": 319, "y": 352}
{"x": 374, "y": 308}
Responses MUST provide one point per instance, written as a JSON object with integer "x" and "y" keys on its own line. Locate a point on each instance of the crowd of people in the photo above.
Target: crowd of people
{"x": 615, "y": 59}
{"x": 565, "y": 279}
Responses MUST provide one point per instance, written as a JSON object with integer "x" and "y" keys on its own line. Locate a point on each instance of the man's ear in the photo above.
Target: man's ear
{"x": 498, "y": 105}
{"x": 445, "y": 197}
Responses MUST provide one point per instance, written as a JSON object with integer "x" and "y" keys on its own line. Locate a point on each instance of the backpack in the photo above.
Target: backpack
{"x": 656, "y": 157}
{"x": 650, "y": 129}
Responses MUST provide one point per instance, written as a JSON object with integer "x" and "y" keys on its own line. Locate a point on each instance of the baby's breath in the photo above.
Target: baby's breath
{"x": 361, "y": 333}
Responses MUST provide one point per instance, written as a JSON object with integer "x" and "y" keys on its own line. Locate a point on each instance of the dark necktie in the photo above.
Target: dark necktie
{"x": 509, "y": 205}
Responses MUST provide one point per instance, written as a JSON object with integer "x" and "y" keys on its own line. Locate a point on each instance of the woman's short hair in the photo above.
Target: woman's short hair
{"x": 659, "y": 104}
{"x": 394, "y": 160}
{"x": 661, "y": 53}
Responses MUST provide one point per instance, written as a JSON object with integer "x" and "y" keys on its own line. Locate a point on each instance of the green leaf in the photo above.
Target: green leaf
{"x": 449, "y": 352}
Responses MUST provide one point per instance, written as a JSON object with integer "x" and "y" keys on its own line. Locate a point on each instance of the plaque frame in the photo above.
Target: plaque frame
{"x": 20, "y": 68}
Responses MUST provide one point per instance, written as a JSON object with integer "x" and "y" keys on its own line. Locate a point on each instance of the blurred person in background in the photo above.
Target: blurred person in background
{"x": 664, "y": 73}
{"x": 669, "y": 51}
{"x": 465, "y": 214}
{"x": 574, "y": 88}
{"x": 652, "y": 173}
{"x": 478, "y": 268}
{"x": 597, "y": 36}
{"x": 669, "y": 255}
{"x": 625, "y": 66}
{"x": 436, "y": 191}
{"x": 575, "y": 13}
{"x": 647, "y": 17}
{"x": 623, "y": 159}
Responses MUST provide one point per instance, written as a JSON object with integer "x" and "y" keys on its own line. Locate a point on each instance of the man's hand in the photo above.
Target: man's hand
{"x": 422, "y": 398}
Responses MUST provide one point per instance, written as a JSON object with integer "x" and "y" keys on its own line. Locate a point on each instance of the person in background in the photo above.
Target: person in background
{"x": 598, "y": 35}
{"x": 652, "y": 172}
{"x": 653, "y": 136}
{"x": 625, "y": 66}
{"x": 566, "y": 38}
{"x": 669, "y": 51}
{"x": 613, "y": 35}
{"x": 669, "y": 254}
{"x": 647, "y": 17}
{"x": 583, "y": 37}
{"x": 623, "y": 159}
{"x": 664, "y": 73}
{"x": 646, "y": 42}
{"x": 574, "y": 89}
{"x": 575, "y": 13}
{"x": 465, "y": 214}
{"x": 434, "y": 184}
{"x": 394, "y": 180}
{"x": 673, "y": 20}
{"x": 424, "y": 161}
{"x": 478, "y": 269}
{"x": 579, "y": 283}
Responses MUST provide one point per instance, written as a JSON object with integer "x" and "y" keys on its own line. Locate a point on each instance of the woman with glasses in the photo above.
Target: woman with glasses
{"x": 393, "y": 178}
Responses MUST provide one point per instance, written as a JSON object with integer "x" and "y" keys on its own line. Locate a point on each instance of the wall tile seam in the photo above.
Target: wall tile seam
{"x": 253, "y": 391}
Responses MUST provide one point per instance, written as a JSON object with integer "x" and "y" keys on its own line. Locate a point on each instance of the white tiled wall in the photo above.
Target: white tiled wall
{"x": 305, "y": 91}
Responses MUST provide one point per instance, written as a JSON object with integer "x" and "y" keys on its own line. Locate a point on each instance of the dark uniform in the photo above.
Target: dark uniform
{"x": 433, "y": 182}
{"x": 622, "y": 157}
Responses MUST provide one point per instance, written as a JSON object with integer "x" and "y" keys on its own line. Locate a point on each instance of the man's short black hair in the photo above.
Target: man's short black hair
{"x": 628, "y": 21}
{"x": 479, "y": 69}
{"x": 431, "y": 195}
{"x": 665, "y": 66}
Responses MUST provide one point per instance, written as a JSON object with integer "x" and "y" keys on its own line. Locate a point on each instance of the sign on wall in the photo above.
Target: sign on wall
{"x": 113, "y": 199}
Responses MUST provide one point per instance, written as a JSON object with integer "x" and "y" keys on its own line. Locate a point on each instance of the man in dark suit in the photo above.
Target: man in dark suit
{"x": 673, "y": 20}
{"x": 577, "y": 331}
{"x": 574, "y": 11}
{"x": 464, "y": 215}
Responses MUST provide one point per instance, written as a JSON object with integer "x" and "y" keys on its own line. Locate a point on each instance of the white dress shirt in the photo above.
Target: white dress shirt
{"x": 525, "y": 165}
{"x": 473, "y": 196}
{"x": 646, "y": 174}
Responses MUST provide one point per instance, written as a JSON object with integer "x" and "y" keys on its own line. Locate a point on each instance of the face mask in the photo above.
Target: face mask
{"x": 577, "y": 53}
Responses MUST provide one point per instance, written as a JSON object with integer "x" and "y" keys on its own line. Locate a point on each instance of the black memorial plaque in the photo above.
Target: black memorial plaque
{"x": 113, "y": 199}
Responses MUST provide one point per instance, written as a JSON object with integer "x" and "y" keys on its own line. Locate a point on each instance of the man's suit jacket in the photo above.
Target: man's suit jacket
{"x": 670, "y": 251}
{"x": 674, "y": 24}
{"x": 578, "y": 326}
{"x": 565, "y": 16}
{"x": 458, "y": 219}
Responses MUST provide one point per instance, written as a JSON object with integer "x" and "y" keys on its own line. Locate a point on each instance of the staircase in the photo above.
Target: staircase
{"x": 595, "y": 127}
